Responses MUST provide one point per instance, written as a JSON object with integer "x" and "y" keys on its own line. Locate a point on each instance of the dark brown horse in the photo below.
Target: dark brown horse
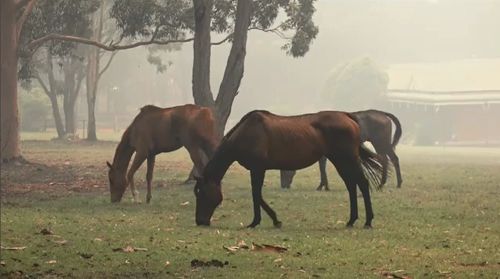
{"x": 157, "y": 130}
{"x": 264, "y": 141}
{"x": 375, "y": 126}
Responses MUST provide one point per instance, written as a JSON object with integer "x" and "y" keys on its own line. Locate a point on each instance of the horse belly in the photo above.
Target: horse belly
{"x": 293, "y": 154}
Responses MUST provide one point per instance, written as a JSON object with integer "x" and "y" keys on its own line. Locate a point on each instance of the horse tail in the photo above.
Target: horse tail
{"x": 370, "y": 162}
{"x": 372, "y": 168}
{"x": 399, "y": 132}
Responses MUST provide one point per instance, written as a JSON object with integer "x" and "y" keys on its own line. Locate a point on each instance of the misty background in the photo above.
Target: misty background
{"x": 417, "y": 44}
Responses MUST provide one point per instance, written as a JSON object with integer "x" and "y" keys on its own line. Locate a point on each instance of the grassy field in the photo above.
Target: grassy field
{"x": 443, "y": 223}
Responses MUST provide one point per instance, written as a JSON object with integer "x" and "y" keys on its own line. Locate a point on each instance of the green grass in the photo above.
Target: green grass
{"x": 443, "y": 222}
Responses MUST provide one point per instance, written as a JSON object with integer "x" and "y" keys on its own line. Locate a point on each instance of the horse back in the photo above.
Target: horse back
{"x": 291, "y": 142}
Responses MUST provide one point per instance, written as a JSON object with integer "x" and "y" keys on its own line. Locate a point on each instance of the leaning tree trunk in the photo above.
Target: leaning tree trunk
{"x": 235, "y": 64}
{"x": 9, "y": 106}
{"x": 50, "y": 91}
{"x": 73, "y": 78}
{"x": 57, "y": 116}
{"x": 202, "y": 93}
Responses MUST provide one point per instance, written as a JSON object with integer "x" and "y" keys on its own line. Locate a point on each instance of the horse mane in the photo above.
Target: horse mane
{"x": 243, "y": 119}
{"x": 149, "y": 108}
{"x": 228, "y": 134}
{"x": 125, "y": 140}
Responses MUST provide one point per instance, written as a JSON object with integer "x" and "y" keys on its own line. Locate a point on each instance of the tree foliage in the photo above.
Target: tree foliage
{"x": 54, "y": 17}
{"x": 356, "y": 85}
{"x": 173, "y": 19}
{"x": 34, "y": 107}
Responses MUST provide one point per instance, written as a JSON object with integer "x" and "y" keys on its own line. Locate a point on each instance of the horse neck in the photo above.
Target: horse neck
{"x": 123, "y": 154}
{"x": 219, "y": 163}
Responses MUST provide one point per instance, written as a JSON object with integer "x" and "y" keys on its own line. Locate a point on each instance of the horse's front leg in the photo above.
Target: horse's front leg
{"x": 196, "y": 157}
{"x": 138, "y": 160}
{"x": 257, "y": 180}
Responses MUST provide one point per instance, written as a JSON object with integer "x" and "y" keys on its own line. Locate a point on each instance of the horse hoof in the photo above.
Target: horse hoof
{"x": 148, "y": 200}
{"x": 278, "y": 225}
{"x": 367, "y": 227}
{"x": 327, "y": 189}
{"x": 252, "y": 226}
{"x": 349, "y": 225}
{"x": 318, "y": 189}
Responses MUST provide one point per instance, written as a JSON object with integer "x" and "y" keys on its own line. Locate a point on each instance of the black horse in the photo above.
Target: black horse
{"x": 375, "y": 127}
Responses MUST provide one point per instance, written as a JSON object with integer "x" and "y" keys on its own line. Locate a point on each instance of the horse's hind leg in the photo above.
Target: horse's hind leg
{"x": 138, "y": 160}
{"x": 395, "y": 161}
{"x": 149, "y": 176}
{"x": 257, "y": 180}
{"x": 347, "y": 168}
{"x": 365, "y": 190}
{"x": 322, "y": 171}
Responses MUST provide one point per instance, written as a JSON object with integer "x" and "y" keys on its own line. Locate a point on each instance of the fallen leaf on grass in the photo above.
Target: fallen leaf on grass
{"x": 185, "y": 203}
{"x": 167, "y": 263}
{"x": 268, "y": 248}
{"x": 98, "y": 239}
{"x": 13, "y": 248}
{"x": 278, "y": 260}
{"x": 127, "y": 261}
{"x": 392, "y": 274}
{"x": 62, "y": 242}
{"x": 51, "y": 262}
{"x": 129, "y": 249}
{"x": 141, "y": 249}
{"x": 231, "y": 248}
{"x": 46, "y": 232}
{"x": 2, "y": 263}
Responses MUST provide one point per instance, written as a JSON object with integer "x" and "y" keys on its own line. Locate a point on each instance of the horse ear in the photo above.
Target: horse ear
{"x": 109, "y": 165}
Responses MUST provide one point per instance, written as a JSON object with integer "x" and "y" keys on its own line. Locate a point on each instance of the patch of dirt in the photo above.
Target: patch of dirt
{"x": 34, "y": 177}
{"x": 66, "y": 166}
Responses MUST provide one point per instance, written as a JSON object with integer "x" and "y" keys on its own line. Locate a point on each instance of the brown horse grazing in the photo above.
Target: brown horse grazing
{"x": 264, "y": 141}
{"x": 157, "y": 130}
{"x": 375, "y": 126}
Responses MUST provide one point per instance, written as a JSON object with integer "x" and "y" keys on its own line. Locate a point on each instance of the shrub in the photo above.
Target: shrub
{"x": 34, "y": 108}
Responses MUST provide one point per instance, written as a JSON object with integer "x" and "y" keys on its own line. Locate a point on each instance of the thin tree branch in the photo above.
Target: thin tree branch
{"x": 80, "y": 77}
{"x": 107, "y": 65}
{"x": 44, "y": 86}
{"x": 24, "y": 16}
{"x": 100, "y": 45}
{"x": 21, "y": 3}
{"x": 223, "y": 40}
{"x": 114, "y": 47}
